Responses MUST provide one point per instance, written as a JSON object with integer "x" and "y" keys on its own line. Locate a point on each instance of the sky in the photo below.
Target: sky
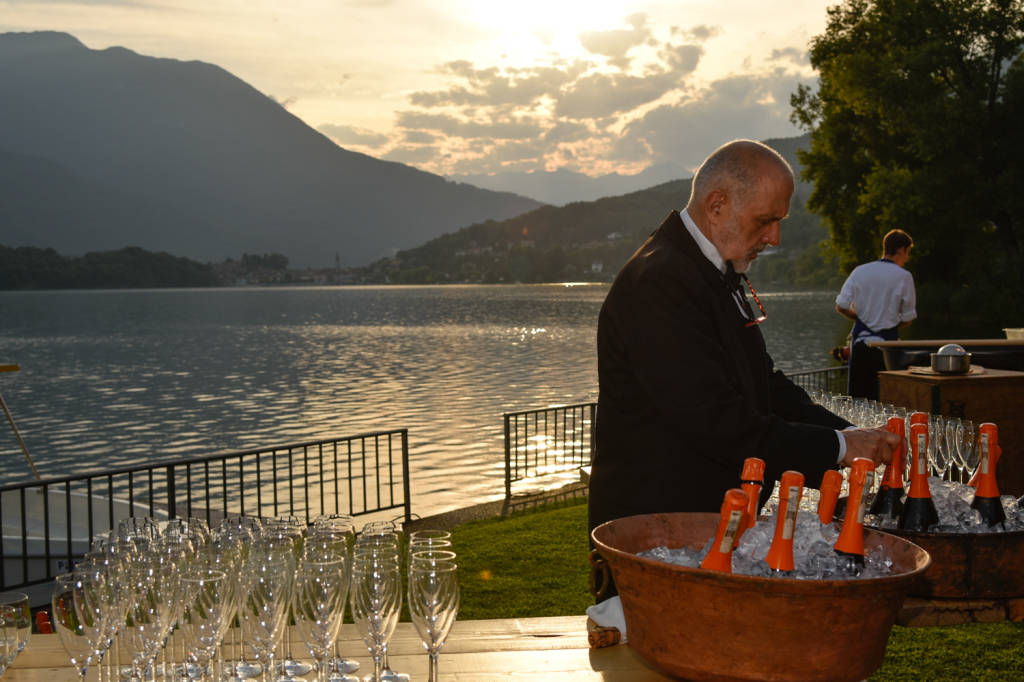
{"x": 484, "y": 86}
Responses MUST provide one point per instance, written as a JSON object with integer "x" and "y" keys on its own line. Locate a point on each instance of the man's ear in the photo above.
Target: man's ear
{"x": 714, "y": 203}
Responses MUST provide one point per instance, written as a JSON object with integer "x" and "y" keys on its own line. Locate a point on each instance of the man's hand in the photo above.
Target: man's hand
{"x": 877, "y": 445}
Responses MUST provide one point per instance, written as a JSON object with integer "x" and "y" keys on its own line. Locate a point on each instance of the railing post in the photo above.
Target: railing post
{"x": 406, "y": 488}
{"x": 593, "y": 430}
{"x": 172, "y": 503}
{"x": 508, "y": 459}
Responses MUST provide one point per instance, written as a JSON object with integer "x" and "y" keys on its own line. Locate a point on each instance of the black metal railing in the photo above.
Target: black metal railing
{"x": 48, "y": 524}
{"x": 827, "y": 379}
{"x": 561, "y": 438}
{"x": 547, "y": 440}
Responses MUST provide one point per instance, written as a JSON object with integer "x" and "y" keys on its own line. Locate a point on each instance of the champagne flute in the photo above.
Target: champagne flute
{"x": 953, "y": 430}
{"x": 17, "y": 621}
{"x": 384, "y": 536}
{"x": 937, "y": 445}
{"x": 291, "y": 528}
{"x": 67, "y": 625}
{"x": 376, "y": 598}
{"x": 264, "y": 610}
{"x": 970, "y": 453}
{"x": 321, "y": 588}
{"x": 433, "y": 604}
{"x": 332, "y": 536}
{"x": 207, "y": 612}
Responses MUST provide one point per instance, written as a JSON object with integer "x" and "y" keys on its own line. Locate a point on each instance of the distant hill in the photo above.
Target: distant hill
{"x": 560, "y": 187}
{"x": 102, "y": 149}
{"x": 591, "y": 240}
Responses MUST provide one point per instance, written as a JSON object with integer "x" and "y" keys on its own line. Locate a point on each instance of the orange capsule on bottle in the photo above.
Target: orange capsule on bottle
{"x": 831, "y": 484}
{"x": 986, "y": 495}
{"x": 751, "y": 481}
{"x": 919, "y": 418}
{"x": 889, "y": 499}
{"x": 851, "y": 536}
{"x": 918, "y": 510}
{"x": 733, "y": 516}
{"x": 780, "y": 555}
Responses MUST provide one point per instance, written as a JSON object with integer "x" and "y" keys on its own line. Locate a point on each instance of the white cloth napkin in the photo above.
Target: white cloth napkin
{"x": 608, "y": 614}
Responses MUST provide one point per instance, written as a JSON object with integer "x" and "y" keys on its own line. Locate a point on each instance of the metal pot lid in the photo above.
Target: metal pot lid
{"x": 952, "y": 349}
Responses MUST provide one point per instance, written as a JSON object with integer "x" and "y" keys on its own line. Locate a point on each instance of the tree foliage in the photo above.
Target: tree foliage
{"x": 917, "y": 124}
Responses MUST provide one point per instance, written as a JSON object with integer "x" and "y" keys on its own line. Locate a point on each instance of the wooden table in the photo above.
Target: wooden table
{"x": 994, "y": 395}
{"x": 477, "y": 651}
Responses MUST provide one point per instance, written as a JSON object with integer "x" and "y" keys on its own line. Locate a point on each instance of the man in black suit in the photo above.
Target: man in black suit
{"x": 687, "y": 389}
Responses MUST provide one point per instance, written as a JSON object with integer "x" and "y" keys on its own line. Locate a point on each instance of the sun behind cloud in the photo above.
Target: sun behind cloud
{"x": 555, "y": 26}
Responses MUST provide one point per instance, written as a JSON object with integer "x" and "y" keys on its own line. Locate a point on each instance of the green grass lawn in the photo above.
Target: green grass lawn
{"x": 535, "y": 564}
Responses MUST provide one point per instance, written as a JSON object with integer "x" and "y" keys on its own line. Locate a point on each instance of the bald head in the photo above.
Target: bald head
{"x": 735, "y": 168}
{"x": 739, "y": 197}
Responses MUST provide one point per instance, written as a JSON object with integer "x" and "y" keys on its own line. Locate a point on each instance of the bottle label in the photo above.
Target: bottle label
{"x": 869, "y": 479}
{"x": 730, "y": 531}
{"x": 984, "y": 453}
{"x": 792, "y": 507}
{"x": 922, "y": 454}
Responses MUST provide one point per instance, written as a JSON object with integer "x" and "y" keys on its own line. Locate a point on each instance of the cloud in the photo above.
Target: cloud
{"x": 753, "y": 106}
{"x": 637, "y": 100}
{"x": 419, "y": 137}
{"x": 414, "y": 155}
{"x": 599, "y": 95}
{"x": 791, "y": 54}
{"x": 701, "y": 33}
{"x": 350, "y": 135}
{"x": 493, "y": 86}
{"x": 448, "y": 124}
{"x": 616, "y": 44}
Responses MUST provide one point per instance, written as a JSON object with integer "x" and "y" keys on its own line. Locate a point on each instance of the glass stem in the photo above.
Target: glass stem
{"x": 378, "y": 665}
{"x": 432, "y": 674}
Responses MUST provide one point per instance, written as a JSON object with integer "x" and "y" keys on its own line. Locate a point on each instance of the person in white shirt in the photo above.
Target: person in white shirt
{"x": 879, "y": 297}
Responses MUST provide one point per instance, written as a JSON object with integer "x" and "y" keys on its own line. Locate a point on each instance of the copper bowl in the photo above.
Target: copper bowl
{"x": 970, "y": 565}
{"x": 707, "y": 625}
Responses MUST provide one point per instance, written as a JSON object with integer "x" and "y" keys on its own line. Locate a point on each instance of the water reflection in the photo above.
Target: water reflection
{"x": 114, "y": 378}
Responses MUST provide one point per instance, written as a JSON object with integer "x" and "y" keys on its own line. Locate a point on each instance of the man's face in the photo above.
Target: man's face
{"x": 748, "y": 226}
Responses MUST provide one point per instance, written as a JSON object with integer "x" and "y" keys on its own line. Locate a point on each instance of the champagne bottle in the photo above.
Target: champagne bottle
{"x": 918, "y": 510}
{"x": 831, "y": 483}
{"x": 994, "y": 454}
{"x": 918, "y": 418}
{"x": 751, "y": 481}
{"x": 986, "y": 495}
{"x": 734, "y": 511}
{"x": 780, "y": 555}
{"x": 889, "y": 499}
{"x": 850, "y": 543}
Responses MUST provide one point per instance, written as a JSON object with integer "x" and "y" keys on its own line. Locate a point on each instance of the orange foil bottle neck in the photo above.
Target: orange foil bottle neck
{"x": 752, "y": 481}
{"x": 831, "y": 485}
{"x": 780, "y": 555}
{"x": 851, "y": 535}
{"x": 730, "y": 525}
{"x": 919, "y": 462}
{"x": 988, "y": 457}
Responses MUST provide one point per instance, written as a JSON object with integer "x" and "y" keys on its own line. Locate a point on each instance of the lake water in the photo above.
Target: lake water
{"x": 112, "y": 378}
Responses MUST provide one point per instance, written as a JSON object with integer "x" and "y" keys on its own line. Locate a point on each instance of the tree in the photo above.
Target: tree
{"x": 916, "y": 124}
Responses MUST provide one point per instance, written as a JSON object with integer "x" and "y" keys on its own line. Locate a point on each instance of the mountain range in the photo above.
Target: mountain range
{"x": 560, "y": 187}
{"x": 591, "y": 240}
{"x": 102, "y": 149}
